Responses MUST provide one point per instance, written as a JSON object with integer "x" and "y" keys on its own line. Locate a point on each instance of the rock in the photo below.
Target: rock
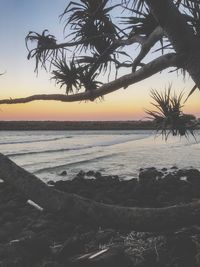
{"x": 97, "y": 175}
{"x": 107, "y": 179}
{"x": 193, "y": 175}
{"x": 170, "y": 178}
{"x": 188, "y": 172}
{"x": 63, "y": 173}
{"x": 174, "y": 168}
{"x": 90, "y": 173}
{"x": 51, "y": 183}
{"x": 132, "y": 181}
{"x": 80, "y": 176}
{"x": 114, "y": 178}
{"x": 149, "y": 175}
{"x": 36, "y": 231}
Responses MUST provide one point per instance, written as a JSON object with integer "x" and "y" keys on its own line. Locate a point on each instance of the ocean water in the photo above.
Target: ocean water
{"x": 48, "y": 153}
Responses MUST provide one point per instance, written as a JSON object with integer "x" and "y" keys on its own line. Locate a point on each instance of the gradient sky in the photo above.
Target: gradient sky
{"x": 17, "y": 18}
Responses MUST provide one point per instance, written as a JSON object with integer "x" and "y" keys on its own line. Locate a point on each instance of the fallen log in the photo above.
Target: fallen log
{"x": 78, "y": 209}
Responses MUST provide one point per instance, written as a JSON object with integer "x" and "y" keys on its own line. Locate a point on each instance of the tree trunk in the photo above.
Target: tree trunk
{"x": 192, "y": 64}
{"x": 173, "y": 23}
{"x": 81, "y": 209}
{"x": 181, "y": 36}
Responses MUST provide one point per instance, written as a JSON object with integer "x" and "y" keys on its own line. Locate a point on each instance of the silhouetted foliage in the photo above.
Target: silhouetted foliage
{"x": 169, "y": 117}
{"x": 99, "y": 47}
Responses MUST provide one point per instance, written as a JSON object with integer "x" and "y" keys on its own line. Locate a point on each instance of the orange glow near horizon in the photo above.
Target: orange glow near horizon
{"x": 69, "y": 111}
{"x": 122, "y": 105}
{"x": 20, "y": 79}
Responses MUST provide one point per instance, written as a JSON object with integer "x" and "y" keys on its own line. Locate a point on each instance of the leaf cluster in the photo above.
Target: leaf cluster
{"x": 97, "y": 34}
{"x": 168, "y": 116}
{"x": 73, "y": 77}
{"x": 45, "y": 48}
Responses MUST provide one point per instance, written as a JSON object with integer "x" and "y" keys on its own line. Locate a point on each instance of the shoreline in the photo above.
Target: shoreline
{"x": 31, "y": 237}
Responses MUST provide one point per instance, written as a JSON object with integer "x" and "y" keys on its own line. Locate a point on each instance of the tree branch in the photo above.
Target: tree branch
{"x": 77, "y": 208}
{"x": 153, "y": 67}
{"x": 153, "y": 38}
{"x": 117, "y": 42}
{"x": 131, "y": 40}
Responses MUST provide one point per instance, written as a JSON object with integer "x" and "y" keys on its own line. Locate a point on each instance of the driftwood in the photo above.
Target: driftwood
{"x": 80, "y": 209}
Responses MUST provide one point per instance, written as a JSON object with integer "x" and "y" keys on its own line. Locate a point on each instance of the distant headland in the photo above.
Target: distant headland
{"x": 76, "y": 125}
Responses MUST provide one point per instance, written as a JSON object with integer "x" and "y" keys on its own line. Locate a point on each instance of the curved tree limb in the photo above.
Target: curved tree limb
{"x": 117, "y": 42}
{"x": 153, "y": 38}
{"x": 153, "y": 67}
{"x": 78, "y": 208}
{"x": 132, "y": 40}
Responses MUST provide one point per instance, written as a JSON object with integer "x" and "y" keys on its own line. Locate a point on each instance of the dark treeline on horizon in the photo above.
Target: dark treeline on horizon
{"x": 76, "y": 125}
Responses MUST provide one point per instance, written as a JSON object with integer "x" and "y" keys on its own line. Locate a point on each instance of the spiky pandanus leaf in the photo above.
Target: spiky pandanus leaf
{"x": 140, "y": 22}
{"x": 66, "y": 75}
{"x": 95, "y": 61}
{"x": 138, "y": 5}
{"x": 45, "y": 48}
{"x": 74, "y": 77}
{"x": 89, "y": 82}
{"x": 192, "y": 13}
{"x": 169, "y": 117}
{"x": 193, "y": 18}
{"x": 91, "y": 23}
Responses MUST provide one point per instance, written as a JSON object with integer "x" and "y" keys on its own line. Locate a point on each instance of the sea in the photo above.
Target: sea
{"x": 47, "y": 153}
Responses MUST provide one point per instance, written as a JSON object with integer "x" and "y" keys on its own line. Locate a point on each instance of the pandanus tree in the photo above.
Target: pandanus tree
{"x": 100, "y": 37}
{"x": 98, "y": 40}
{"x": 169, "y": 117}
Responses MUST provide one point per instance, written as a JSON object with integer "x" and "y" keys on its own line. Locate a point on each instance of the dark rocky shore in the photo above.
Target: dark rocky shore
{"x": 31, "y": 237}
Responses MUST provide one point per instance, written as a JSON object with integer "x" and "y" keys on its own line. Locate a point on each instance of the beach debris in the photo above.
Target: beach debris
{"x": 107, "y": 257}
{"x": 32, "y": 203}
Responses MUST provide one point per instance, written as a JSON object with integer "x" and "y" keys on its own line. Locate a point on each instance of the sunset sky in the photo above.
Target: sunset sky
{"x": 17, "y": 18}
